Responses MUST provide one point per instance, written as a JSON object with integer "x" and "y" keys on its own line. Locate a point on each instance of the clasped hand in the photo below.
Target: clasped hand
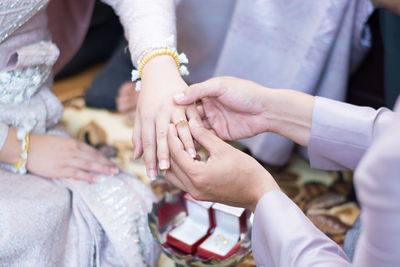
{"x": 233, "y": 110}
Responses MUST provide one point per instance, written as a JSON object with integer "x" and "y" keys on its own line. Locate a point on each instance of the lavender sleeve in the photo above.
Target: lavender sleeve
{"x": 3, "y": 134}
{"x": 377, "y": 183}
{"x": 147, "y": 23}
{"x": 283, "y": 236}
{"x": 341, "y": 133}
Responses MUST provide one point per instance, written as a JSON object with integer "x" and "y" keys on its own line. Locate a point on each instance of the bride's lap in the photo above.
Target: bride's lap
{"x": 34, "y": 213}
{"x": 37, "y": 213}
{"x": 31, "y": 204}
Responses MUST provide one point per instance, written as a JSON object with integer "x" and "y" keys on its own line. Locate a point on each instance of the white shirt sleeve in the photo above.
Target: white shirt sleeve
{"x": 147, "y": 23}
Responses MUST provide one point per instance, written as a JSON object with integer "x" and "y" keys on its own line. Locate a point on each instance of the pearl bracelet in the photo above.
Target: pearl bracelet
{"x": 169, "y": 50}
{"x": 158, "y": 52}
{"x": 20, "y": 166}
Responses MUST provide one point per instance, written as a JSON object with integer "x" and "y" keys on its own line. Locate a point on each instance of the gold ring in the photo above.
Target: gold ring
{"x": 218, "y": 243}
{"x": 181, "y": 121}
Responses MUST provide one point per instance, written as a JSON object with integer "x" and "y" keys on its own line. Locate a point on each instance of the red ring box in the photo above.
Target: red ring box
{"x": 225, "y": 238}
{"x": 196, "y": 227}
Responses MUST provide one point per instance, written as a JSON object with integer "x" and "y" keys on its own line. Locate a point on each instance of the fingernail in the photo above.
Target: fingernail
{"x": 164, "y": 165}
{"x": 152, "y": 174}
{"x": 192, "y": 152}
{"x": 179, "y": 97}
{"x": 94, "y": 180}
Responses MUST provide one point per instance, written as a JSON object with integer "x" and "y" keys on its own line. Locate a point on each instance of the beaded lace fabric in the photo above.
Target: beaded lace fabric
{"x": 58, "y": 222}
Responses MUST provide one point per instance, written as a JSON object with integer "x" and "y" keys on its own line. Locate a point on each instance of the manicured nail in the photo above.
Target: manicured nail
{"x": 192, "y": 152}
{"x": 152, "y": 174}
{"x": 179, "y": 97}
{"x": 164, "y": 165}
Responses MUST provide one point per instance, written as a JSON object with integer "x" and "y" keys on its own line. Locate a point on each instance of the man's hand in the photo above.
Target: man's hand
{"x": 228, "y": 176}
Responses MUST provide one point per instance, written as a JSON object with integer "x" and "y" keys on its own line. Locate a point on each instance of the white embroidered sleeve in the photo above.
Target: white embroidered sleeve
{"x": 147, "y": 23}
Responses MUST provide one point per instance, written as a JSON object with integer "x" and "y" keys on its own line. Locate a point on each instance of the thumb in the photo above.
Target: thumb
{"x": 209, "y": 88}
{"x": 205, "y": 138}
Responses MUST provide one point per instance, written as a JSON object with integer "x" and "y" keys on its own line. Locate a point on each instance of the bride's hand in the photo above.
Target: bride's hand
{"x": 156, "y": 110}
{"x": 54, "y": 156}
{"x": 228, "y": 176}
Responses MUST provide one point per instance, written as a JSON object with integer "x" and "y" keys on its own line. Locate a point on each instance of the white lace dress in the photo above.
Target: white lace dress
{"x": 58, "y": 222}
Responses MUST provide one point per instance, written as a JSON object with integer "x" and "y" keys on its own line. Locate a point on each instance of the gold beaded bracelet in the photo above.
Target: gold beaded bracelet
{"x": 25, "y": 150}
{"x": 158, "y": 52}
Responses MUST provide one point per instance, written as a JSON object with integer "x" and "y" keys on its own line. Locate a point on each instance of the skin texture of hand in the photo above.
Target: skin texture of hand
{"x": 229, "y": 176}
{"x": 232, "y": 106}
{"x": 156, "y": 110}
{"x": 11, "y": 151}
{"x": 53, "y": 156}
{"x": 236, "y": 108}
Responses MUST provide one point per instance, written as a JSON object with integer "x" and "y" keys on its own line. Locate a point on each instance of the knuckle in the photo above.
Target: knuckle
{"x": 162, "y": 133}
{"x": 219, "y": 81}
{"x": 149, "y": 161}
{"x": 147, "y": 144}
{"x": 225, "y": 81}
{"x": 147, "y": 117}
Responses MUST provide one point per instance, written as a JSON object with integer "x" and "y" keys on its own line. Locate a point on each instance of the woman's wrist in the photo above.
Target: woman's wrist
{"x": 289, "y": 113}
{"x": 159, "y": 57}
{"x": 12, "y": 149}
{"x": 162, "y": 64}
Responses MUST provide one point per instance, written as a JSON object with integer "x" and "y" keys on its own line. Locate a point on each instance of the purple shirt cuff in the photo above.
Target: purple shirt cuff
{"x": 378, "y": 191}
{"x": 341, "y": 133}
{"x": 283, "y": 236}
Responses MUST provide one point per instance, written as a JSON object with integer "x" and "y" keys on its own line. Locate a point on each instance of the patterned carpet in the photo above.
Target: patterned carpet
{"x": 325, "y": 197}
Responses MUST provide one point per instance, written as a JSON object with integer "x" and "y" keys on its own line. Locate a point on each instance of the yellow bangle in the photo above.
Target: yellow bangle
{"x": 25, "y": 150}
{"x": 158, "y": 52}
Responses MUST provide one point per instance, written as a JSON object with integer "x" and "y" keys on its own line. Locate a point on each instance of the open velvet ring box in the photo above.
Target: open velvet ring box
{"x": 211, "y": 230}
{"x": 199, "y": 233}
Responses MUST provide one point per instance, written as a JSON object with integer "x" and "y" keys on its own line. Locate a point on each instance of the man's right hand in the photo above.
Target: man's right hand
{"x": 232, "y": 107}
{"x": 236, "y": 108}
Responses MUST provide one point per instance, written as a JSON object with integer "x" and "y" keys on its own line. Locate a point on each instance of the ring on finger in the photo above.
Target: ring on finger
{"x": 181, "y": 121}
